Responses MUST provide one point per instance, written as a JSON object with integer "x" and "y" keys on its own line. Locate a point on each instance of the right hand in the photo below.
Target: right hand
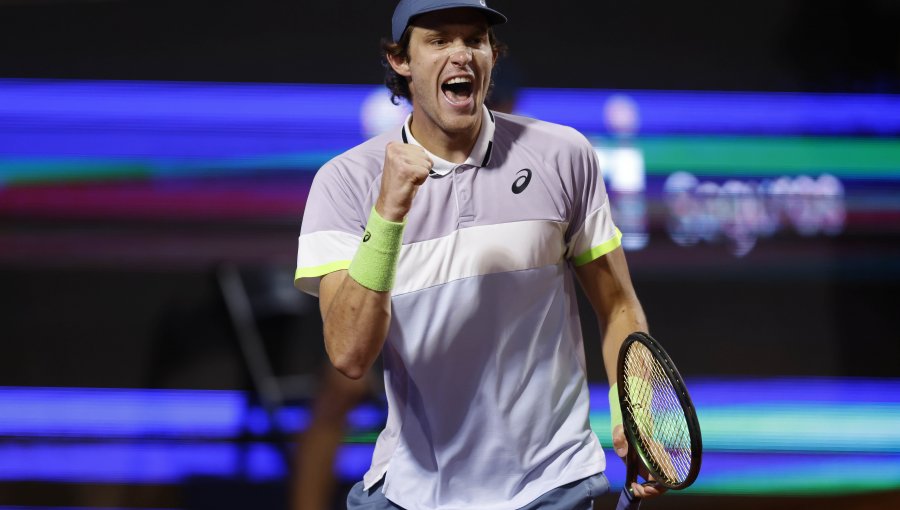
{"x": 406, "y": 167}
{"x": 648, "y": 490}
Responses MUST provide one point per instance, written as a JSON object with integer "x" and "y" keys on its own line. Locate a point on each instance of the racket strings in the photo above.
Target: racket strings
{"x": 656, "y": 411}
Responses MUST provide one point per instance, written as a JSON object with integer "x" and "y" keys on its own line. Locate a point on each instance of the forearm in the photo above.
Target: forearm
{"x": 623, "y": 319}
{"x": 356, "y": 304}
{"x": 357, "y": 313}
{"x": 608, "y": 287}
{"x": 356, "y": 323}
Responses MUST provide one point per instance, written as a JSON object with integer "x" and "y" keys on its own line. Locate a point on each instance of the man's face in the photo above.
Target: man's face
{"x": 449, "y": 67}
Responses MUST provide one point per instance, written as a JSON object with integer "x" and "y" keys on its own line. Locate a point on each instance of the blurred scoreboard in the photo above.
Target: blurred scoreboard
{"x": 722, "y": 169}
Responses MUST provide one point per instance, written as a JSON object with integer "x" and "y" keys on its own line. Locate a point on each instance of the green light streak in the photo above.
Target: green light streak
{"x": 802, "y": 427}
{"x": 24, "y": 172}
{"x": 42, "y": 171}
{"x": 873, "y": 158}
{"x": 815, "y": 478}
{"x": 796, "y": 427}
{"x": 362, "y": 437}
{"x": 305, "y": 160}
{"x": 772, "y": 156}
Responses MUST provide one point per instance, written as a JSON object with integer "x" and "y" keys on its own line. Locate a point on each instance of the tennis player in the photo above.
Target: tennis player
{"x": 449, "y": 245}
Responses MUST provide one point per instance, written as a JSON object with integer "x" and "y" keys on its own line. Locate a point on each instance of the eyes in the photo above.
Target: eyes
{"x": 473, "y": 42}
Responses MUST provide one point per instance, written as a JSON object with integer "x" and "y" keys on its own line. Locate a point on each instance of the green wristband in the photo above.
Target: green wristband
{"x": 375, "y": 264}
{"x": 640, "y": 392}
{"x": 639, "y": 388}
{"x": 615, "y": 411}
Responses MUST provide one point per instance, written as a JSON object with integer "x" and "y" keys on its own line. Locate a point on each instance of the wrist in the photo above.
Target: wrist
{"x": 390, "y": 213}
{"x": 375, "y": 264}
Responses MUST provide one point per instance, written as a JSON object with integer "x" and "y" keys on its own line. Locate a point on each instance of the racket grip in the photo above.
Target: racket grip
{"x": 627, "y": 501}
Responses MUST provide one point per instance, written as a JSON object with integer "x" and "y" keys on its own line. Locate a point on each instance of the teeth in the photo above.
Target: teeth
{"x": 459, "y": 79}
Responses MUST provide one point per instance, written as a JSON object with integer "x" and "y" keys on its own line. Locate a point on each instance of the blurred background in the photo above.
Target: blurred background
{"x": 155, "y": 158}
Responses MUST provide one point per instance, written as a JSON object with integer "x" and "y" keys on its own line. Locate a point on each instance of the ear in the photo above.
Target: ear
{"x": 399, "y": 64}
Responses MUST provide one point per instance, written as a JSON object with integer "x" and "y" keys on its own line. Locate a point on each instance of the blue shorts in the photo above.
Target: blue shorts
{"x": 577, "y": 495}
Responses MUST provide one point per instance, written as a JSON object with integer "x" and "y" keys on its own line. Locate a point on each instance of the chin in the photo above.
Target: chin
{"x": 454, "y": 122}
{"x": 459, "y": 124}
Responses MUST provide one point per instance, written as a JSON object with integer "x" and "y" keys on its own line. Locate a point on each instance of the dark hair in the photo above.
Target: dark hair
{"x": 399, "y": 85}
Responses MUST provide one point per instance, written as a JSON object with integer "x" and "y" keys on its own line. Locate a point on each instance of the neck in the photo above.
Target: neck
{"x": 452, "y": 146}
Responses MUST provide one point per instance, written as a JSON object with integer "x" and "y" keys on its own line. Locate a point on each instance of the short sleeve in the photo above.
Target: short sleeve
{"x": 331, "y": 230}
{"x": 591, "y": 232}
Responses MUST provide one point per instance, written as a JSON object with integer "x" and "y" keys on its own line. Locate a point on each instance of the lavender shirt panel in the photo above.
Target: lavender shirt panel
{"x": 344, "y": 189}
{"x": 571, "y": 172}
{"x": 537, "y": 171}
{"x": 564, "y": 184}
{"x": 481, "y": 420}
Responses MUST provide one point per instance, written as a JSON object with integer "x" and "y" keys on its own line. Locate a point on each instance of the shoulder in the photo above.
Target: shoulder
{"x": 348, "y": 179}
{"x": 540, "y": 135}
{"x": 361, "y": 162}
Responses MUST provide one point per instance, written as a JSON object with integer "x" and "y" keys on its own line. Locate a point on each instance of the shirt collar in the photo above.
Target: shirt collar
{"x": 481, "y": 151}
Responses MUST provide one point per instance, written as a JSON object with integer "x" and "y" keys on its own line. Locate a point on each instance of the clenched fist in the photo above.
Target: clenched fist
{"x": 406, "y": 167}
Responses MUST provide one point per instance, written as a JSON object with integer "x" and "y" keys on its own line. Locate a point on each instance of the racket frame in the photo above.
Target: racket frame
{"x": 684, "y": 398}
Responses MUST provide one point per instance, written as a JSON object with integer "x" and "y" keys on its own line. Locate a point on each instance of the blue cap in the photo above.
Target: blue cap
{"x": 407, "y": 9}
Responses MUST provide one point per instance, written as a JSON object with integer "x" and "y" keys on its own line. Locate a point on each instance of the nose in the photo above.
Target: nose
{"x": 461, "y": 55}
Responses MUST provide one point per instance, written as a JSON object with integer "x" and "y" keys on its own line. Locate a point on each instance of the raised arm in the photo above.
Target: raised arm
{"x": 356, "y": 303}
{"x": 356, "y": 321}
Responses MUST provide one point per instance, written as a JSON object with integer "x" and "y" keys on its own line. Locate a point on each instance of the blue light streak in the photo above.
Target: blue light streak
{"x": 175, "y": 462}
{"x": 183, "y": 126}
{"x": 672, "y": 112}
{"x": 110, "y": 412}
{"x": 159, "y": 462}
{"x": 128, "y": 413}
{"x": 787, "y": 436}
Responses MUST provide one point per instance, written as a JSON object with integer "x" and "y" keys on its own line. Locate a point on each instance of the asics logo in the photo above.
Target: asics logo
{"x": 522, "y": 181}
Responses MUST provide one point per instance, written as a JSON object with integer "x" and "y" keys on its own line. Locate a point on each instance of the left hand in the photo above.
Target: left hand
{"x": 643, "y": 491}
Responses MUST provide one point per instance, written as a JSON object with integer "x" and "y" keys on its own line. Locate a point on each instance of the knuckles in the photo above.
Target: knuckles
{"x": 406, "y": 159}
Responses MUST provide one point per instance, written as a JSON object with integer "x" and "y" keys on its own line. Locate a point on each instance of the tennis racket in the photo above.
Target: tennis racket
{"x": 659, "y": 419}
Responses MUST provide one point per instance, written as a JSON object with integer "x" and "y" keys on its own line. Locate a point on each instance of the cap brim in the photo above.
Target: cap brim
{"x": 493, "y": 17}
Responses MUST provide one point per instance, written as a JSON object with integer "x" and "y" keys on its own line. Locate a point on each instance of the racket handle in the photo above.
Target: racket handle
{"x": 627, "y": 501}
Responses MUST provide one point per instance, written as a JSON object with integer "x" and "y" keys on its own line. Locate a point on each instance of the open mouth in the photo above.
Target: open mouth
{"x": 458, "y": 90}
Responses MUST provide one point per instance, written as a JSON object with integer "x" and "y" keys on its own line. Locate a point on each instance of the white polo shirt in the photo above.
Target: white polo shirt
{"x": 483, "y": 363}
